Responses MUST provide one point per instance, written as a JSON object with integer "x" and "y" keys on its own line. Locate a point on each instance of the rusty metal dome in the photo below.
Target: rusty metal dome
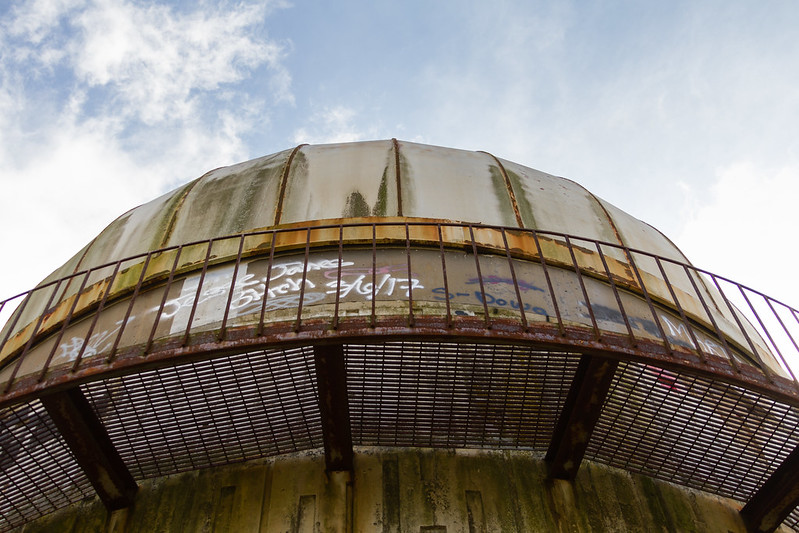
{"x": 324, "y": 283}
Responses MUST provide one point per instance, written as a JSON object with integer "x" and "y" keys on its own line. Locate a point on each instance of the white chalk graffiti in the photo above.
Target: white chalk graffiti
{"x": 385, "y": 286}
{"x": 285, "y": 283}
{"x": 292, "y": 268}
{"x": 288, "y": 284}
{"x": 678, "y": 333}
{"x": 292, "y": 301}
{"x": 98, "y": 343}
{"x": 675, "y": 330}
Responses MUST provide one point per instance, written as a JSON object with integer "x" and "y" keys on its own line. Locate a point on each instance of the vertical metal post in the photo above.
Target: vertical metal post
{"x": 22, "y": 355}
{"x": 444, "y": 275}
{"x": 583, "y": 289}
{"x": 304, "y": 279}
{"x": 124, "y": 323}
{"x": 64, "y": 326}
{"x": 513, "y": 277}
{"x": 169, "y": 281}
{"x": 410, "y": 275}
{"x": 266, "y": 284}
{"x": 480, "y": 278}
{"x": 338, "y": 275}
{"x": 549, "y": 282}
{"x": 616, "y": 294}
{"x": 223, "y": 327}
{"x": 197, "y": 294}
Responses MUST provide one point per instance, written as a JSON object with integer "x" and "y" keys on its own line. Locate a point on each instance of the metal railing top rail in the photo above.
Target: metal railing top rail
{"x": 759, "y": 319}
{"x": 295, "y": 228}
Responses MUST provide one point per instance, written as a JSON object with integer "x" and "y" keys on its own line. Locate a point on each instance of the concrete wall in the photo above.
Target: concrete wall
{"x": 405, "y": 490}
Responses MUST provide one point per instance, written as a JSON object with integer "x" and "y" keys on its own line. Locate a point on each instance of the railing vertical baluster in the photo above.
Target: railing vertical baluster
{"x": 18, "y": 312}
{"x": 24, "y": 352}
{"x": 615, "y": 289}
{"x": 734, "y": 314}
{"x": 652, "y": 310}
{"x": 168, "y": 286}
{"x": 583, "y": 289}
{"x": 338, "y": 275}
{"x": 100, "y": 307}
{"x": 304, "y": 278}
{"x": 267, "y": 280}
{"x": 198, "y": 293}
{"x": 680, "y": 309}
{"x": 552, "y": 295}
{"x": 374, "y": 275}
{"x": 766, "y": 331}
{"x": 64, "y": 326}
{"x": 112, "y": 353}
{"x": 515, "y": 281}
{"x": 480, "y": 278}
{"x": 719, "y": 334}
{"x": 223, "y": 327}
{"x": 444, "y": 274}
{"x": 788, "y": 333}
{"x": 411, "y": 320}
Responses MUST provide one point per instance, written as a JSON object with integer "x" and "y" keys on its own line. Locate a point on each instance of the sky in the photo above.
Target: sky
{"x": 685, "y": 114}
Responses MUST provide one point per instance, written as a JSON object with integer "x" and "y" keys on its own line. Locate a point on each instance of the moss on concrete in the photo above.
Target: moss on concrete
{"x": 380, "y": 208}
{"x": 397, "y": 490}
{"x": 355, "y": 206}
{"x": 502, "y": 195}
{"x": 522, "y": 202}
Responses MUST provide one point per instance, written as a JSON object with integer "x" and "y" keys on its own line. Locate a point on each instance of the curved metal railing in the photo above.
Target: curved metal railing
{"x": 472, "y": 332}
{"x": 745, "y": 324}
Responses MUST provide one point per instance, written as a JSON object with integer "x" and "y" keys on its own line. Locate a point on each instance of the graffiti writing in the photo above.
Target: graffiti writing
{"x": 676, "y": 331}
{"x": 292, "y": 268}
{"x": 494, "y": 280}
{"x": 386, "y": 269}
{"x": 488, "y": 299}
{"x": 385, "y": 286}
{"x": 97, "y": 343}
{"x": 250, "y": 290}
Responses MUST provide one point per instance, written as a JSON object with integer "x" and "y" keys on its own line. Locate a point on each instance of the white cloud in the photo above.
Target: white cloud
{"x": 156, "y": 64}
{"x": 746, "y": 229}
{"x": 35, "y": 20}
{"x": 105, "y": 104}
{"x": 83, "y": 178}
{"x": 335, "y": 124}
{"x": 156, "y": 59}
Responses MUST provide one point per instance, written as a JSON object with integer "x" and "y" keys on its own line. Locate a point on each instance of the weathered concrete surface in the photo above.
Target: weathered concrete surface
{"x": 376, "y": 181}
{"x": 353, "y": 180}
{"x": 406, "y": 490}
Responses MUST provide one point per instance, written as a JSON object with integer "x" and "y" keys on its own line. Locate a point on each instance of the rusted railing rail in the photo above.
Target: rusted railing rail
{"x": 497, "y": 322}
{"x": 688, "y": 308}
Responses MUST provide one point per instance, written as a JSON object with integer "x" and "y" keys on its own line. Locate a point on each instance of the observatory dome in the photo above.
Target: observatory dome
{"x": 380, "y": 179}
{"x": 399, "y": 337}
{"x": 376, "y": 181}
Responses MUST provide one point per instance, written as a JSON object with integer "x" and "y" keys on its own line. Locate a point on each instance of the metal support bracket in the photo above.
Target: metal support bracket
{"x": 331, "y": 379}
{"x": 89, "y": 443}
{"x": 775, "y": 500}
{"x": 580, "y": 414}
